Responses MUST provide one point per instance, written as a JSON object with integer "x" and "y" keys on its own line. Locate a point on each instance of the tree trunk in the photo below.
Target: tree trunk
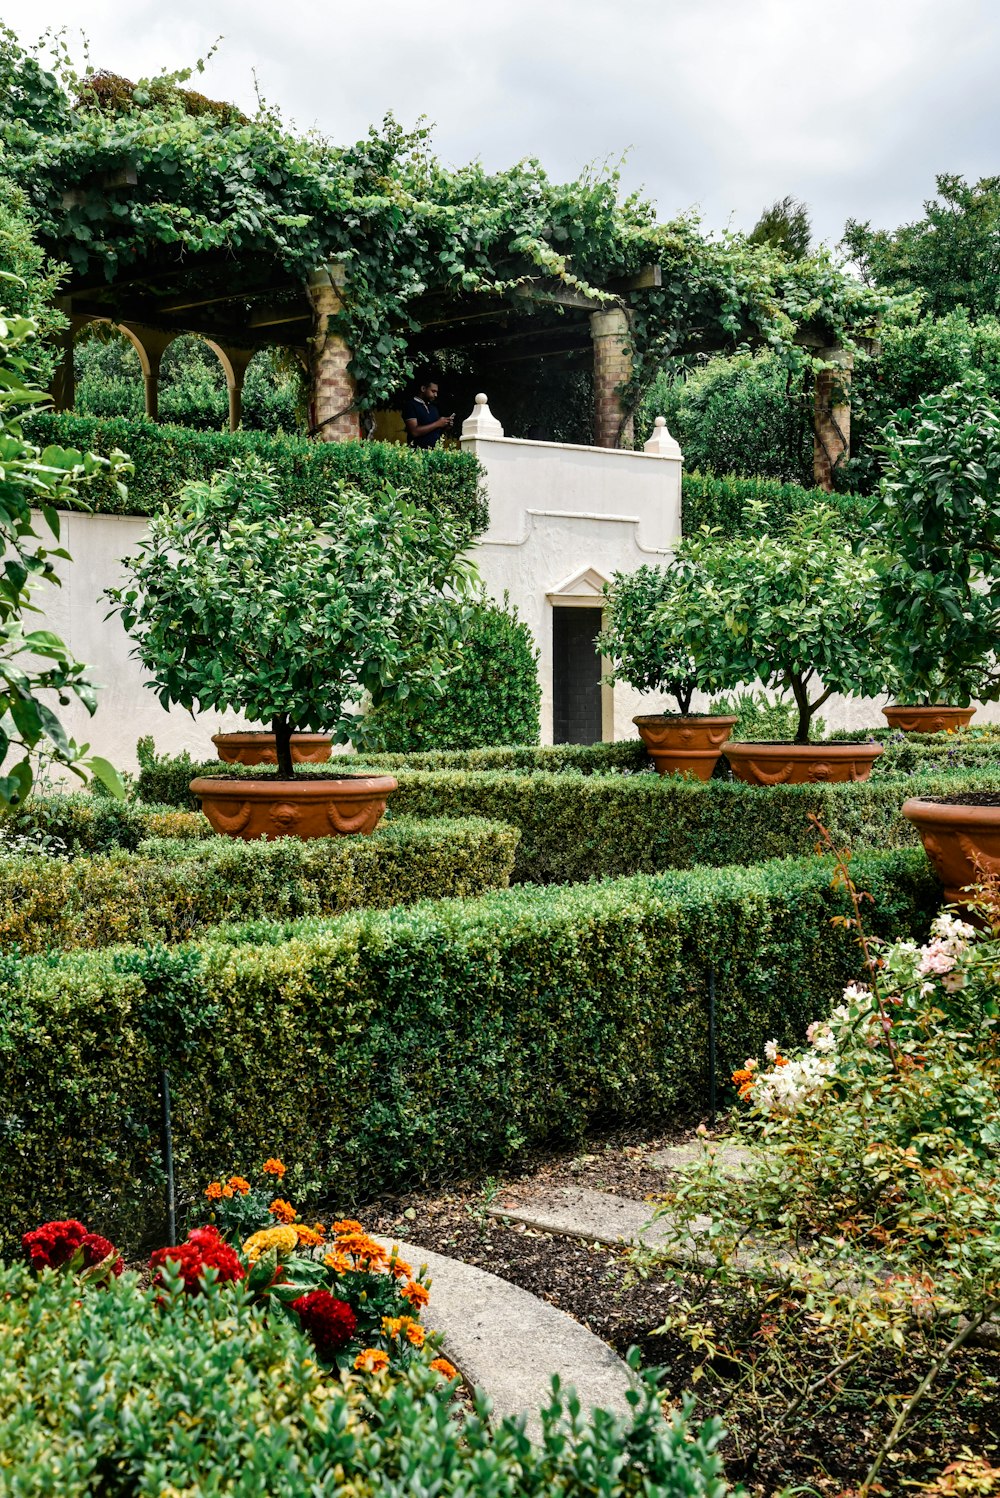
{"x": 801, "y": 696}
{"x": 281, "y": 727}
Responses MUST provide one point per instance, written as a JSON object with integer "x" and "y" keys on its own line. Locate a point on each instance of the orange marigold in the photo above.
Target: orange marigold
{"x": 362, "y": 1249}
{"x": 308, "y": 1237}
{"x": 417, "y": 1294}
{"x": 239, "y": 1184}
{"x": 227, "y": 1192}
{"x": 442, "y": 1365}
{"x": 282, "y": 1210}
{"x": 213, "y": 1190}
{"x": 400, "y": 1268}
{"x": 274, "y": 1168}
{"x": 339, "y": 1263}
{"x": 395, "y": 1326}
{"x": 346, "y": 1225}
{"x": 415, "y": 1334}
{"x": 372, "y": 1360}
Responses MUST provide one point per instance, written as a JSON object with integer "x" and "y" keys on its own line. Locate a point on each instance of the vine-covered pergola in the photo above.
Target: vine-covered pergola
{"x": 176, "y": 214}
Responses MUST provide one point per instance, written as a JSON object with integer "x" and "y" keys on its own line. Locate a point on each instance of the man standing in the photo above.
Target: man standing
{"x": 423, "y": 423}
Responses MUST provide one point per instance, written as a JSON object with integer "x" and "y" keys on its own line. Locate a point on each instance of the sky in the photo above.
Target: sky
{"x": 720, "y": 106}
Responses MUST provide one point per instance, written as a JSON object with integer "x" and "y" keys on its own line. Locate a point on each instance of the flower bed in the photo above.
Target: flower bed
{"x": 422, "y": 1042}
{"x": 168, "y": 890}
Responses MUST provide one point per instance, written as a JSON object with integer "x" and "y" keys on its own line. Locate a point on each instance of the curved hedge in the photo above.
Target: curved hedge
{"x": 389, "y": 1048}
{"x": 84, "y": 823}
{"x": 168, "y": 890}
{"x": 721, "y": 503}
{"x": 166, "y": 457}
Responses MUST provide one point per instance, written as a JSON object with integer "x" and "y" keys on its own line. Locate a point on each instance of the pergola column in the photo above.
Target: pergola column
{"x": 609, "y": 331}
{"x": 334, "y": 394}
{"x": 831, "y": 415}
{"x": 234, "y": 362}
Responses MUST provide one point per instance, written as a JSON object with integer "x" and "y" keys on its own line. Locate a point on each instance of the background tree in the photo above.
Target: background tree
{"x": 784, "y": 226}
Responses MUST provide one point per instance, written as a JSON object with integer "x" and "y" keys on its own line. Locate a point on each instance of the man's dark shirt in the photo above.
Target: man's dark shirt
{"x": 417, "y": 408}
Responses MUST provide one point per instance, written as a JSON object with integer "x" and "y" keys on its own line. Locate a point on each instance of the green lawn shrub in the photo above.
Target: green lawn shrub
{"x": 169, "y": 889}
{"x": 166, "y": 457}
{"x": 111, "y": 1394}
{"x": 82, "y": 823}
{"x": 387, "y": 1049}
{"x": 721, "y": 503}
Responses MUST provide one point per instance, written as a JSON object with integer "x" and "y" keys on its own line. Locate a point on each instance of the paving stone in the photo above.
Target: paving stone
{"x": 509, "y": 1343}
{"x": 596, "y": 1216}
{"x": 736, "y": 1161}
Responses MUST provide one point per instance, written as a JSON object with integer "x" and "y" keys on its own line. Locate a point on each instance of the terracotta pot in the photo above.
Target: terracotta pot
{"x": 258, "y": 748}
{"x": 315, "y": 806}
{"x": 685, "y": 743}
{"x": 801, "y": 764}
{"x": 927, "y": 719}
{"x": 961, "y": 837}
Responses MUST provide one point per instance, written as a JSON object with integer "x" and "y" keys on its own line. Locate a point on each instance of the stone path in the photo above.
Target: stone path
{"x": 509, "y": 1343}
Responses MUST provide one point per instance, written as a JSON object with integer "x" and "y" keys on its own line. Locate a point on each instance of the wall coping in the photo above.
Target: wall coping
{"x": 569, "y": 447}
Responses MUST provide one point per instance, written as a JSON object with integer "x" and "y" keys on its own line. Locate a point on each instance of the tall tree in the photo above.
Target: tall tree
{"x": 784, "y": 226}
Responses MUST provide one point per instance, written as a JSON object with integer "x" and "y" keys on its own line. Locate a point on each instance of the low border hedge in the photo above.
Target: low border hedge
{"x": 390, "y": 1048}
{"x": 721, "y": 503}
{"x": 83, "y": 823}
{"x": 169, "y": 890}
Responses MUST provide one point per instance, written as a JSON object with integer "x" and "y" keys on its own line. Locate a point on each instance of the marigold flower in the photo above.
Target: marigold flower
{"x": 227, "y": 1192}
{"x": 213, "y": 1190}
{"x": 339, "y": 1263}
{"x": 401, "y": 1269}
{"x": 415, "y": 1334}
{"x": 417, "y": 1294}
{"x": 307, "y": 1237}
{"x": 346, "y": 1225}
{"x": 274, "y": 1168}
{"x": 363, "y": 1250}
{"x": 371, "y": 1360}
{"x": 395, "y": 1326}
{"x": 442, "y": 1365}
{"x": 283, "y": 1240}
{"x": 239, "y": 1184}
{"x": 282, "y": 1210}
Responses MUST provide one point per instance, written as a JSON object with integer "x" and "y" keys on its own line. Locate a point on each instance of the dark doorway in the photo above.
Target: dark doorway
{"x": 576, "y": 676}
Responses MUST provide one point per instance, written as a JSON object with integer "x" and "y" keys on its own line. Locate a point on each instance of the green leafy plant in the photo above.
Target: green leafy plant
{"x": 641, "y": 649}
{"x": 761, "y": 717}
{"x": 793, "y": 611}
{"x": 938, "y": 513}
{"x": 235, "y": 604}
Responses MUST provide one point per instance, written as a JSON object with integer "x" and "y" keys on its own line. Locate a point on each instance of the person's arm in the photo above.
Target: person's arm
{"x": 416, "y": 430}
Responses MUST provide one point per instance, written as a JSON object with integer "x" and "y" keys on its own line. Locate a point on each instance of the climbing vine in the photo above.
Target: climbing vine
{"x": 123, "y": 176}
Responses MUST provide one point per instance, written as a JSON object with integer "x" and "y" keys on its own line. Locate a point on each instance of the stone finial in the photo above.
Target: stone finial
{"x": 482, "y": 422}
{"x": 661, "y": 444}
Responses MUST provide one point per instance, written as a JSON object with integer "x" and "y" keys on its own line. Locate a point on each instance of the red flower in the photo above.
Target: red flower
{"x": 330, "y": 1322}
{"x": 204, "y": 1249}
{"x": 96, "y": 1249}
{"x": 53, "y": 1244}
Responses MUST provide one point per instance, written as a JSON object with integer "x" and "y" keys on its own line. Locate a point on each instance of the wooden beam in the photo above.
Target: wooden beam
{"x": 649, "y": 278}
{"x": 554, "y": 294}
{"x": 268, "y": 317}
{"x": 187, "y": 303}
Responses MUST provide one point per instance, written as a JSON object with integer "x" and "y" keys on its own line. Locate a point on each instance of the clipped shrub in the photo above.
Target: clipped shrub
{"x": 170, "y": 889}
{"x": 389, "y": 1048}
{"x": 723, "y": 505}
{"x": 90, "y": 824}
{"x": 492, "y": 697}
{"x": 167, "y": 457}
{"x": 208, "y": 1394}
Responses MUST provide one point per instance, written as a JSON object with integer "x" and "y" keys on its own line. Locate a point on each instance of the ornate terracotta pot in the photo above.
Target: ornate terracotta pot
{"x": 801, "y": 764}
{"x": 961, "y": 837}
{"x": 927, "y": 719}
{"x": 685, "y": 743}
{"x": 315, "y": 806}
{"x": 258, "y": 748}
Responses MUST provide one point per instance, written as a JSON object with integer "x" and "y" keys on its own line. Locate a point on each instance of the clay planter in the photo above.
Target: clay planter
{"x": 961, "y": 837}
{"x": 801, "y": 764}
{"x": 685, "y": 743}
{"x": 258, "y": 748}
{"x": 315, "y": 806}
{"x": 927, "y": 719}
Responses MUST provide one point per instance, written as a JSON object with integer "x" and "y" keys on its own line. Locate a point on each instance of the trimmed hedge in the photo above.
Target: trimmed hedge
{"x": 166, "y": 457}
{"x": 169, "y": 890}
{"x": 98, "y": 824}
{"x": 390, "y": 1048}
{"x": 721, "y": 503}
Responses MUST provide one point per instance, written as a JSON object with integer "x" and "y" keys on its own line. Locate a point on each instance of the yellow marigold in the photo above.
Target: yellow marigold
{"x": 417, "y": 1294}
{"x": 239, "y": 1184}
{"x": 339, "y": 1263}
{"x": 391, "y": 1326}
{"x": 283, "y": 1240}
{"x": 307, "y": 1237}
{"x": 372, "y": 1360}
{"x": 282, "y": 1210}
{"x": 442, "y": 1365}
{"x": 346, "y": 1225}
{"x": 213, "y": 1190}
{"x": 274, "y": 1168}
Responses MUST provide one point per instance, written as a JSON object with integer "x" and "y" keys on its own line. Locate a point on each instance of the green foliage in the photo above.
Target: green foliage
{"x": 641, "y": 651}
{"x": 388, "y": 1048}
{"x": 167, "y": 890}
{"x": 35, "y": 661}
{"x": 491, "y": 696}
{"x": 90, "y": 824}
{"x": 793, "y": 611}
{"x": 951, "y": 255}
{"x": 762, "y": 718}
{"x": 235, "y": 605}
{"x": 36, "y": 276}
{"x": 726, "y": 505}
{"x": 165, "y": 458}
{"x": 938, "y": 513}
{"x": 785, "y": 226}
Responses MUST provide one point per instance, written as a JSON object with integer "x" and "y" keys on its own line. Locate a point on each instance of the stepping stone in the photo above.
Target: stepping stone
{"x": 508, "y": 1343}
{"x": 735, "y": 1161}
{"x": 596, "y": 1216}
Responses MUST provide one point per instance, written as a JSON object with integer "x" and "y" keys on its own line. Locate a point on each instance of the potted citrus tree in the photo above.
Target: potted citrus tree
{"x": 645, "y": 655}
{"x": 236, "y": 605}
{"x": 792, "y": 611}
{"x": 938, "y": 513}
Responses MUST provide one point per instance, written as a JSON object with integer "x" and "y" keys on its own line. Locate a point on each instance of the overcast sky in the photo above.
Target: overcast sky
{"x": 719, "y": 105}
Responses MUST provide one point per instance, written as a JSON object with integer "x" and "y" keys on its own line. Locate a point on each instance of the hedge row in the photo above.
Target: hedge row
{"x": 82, "y": 823}
{"x": 166, "y": 457}
{"x": 722, "y": 504}
{"x": 390, "y": 1048}
{"x": 170, "y": 890}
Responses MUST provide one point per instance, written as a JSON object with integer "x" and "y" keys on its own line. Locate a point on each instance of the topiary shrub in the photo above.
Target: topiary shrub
{"x": 491, "y": 698}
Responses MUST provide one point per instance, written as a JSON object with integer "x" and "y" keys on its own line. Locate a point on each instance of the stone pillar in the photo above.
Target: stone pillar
{"x": 334, "y": 416}
{"x": 234, "y": 362}
{"x": 831, "y": 416}
{"x": 612, "y": 370}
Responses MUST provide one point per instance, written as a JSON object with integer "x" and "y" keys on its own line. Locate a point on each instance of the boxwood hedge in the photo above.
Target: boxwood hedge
{"x": 389, "y": 1048}
{"x": 82, "y": 823}
{"x": 170, "y": 889}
